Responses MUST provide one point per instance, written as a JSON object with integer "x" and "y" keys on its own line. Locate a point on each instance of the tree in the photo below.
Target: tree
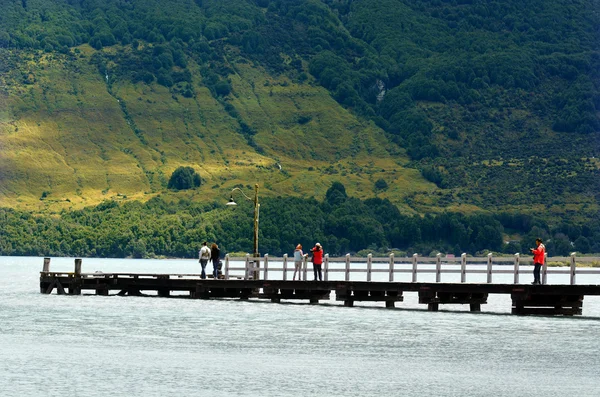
{"x": 380, "y": 184}
{"x": 336, "y": 194}
{"x": 184, "y": 178}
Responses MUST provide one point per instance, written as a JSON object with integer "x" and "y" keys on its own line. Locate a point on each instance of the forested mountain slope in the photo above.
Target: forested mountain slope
{"x": 444, "y": 105}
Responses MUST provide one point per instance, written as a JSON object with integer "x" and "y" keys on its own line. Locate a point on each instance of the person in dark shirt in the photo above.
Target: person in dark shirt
{"x": 214, "y": 256}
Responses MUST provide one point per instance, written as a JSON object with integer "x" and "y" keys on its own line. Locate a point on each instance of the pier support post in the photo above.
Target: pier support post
{"x": 433, "y": 307}
{"x": 201, "y": 292}
{"x": 438, "y": 267}
{"x": 75, "y": 287}
{"x": 102, "y": 289}
{"x": 44, "y": 287}
{"x": 164, "y": 292}
{"x": 77, "y": 271}
{"x": 525, "y": 301}
{"x": 46, "y": 267}
{"x": 391, "y": 275}
{"x": 475, "y": 307}
{"x": 326, "y": 268}
{"x": 285, "y": 264}
{"x": 463, "y": 267}
{"x": 369, "y": 266}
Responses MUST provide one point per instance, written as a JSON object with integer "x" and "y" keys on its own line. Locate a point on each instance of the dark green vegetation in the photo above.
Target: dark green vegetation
{"x": 340, "y": 223}
{"x": 496, "y": 103}
{"x": 184, "y": 178}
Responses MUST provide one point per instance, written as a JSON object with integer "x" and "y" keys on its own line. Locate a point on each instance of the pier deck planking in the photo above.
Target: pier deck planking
{"x": 526, "y": 299}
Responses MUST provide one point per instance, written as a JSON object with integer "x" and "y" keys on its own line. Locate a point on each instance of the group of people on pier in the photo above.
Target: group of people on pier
{"x": 317, "y": 260}
{"x": 212, "y": 254}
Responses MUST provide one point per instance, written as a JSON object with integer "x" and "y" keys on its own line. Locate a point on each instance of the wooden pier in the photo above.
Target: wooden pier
{"x": 526, "y": 298}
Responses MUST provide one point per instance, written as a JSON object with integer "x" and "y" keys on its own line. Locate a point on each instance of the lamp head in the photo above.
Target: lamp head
{"x": 231, "y": 202}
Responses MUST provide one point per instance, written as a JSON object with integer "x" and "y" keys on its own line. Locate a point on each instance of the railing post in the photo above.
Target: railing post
{"x": 545, "y": 269}
{"x": 46, "y": 267}
{"x": 573, "y": 268}
{"x": 77, "y": 267}
{"x": 226, "y": 266}
{"x": 266, "y": 267}
{"x": 414, "y": 268}
{"x": 247, "y": 267}
{"x": 489, "y": 268}
{"x": 391, "y": 278}
{"x": 369, "y": 266}
{"x": 517, "y": 263}
{"x": 305, "y": 266}
{"x": 75, "y": 288}
{"x": 285, "y": 257}
{"x": 326, "y": 268}
{"x": 347, "y": 278}
{"x": 438, "y": 267}
{"x": 463, "y": 267}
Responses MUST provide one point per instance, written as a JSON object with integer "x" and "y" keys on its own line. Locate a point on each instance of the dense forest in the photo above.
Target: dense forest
{"x": 340, "y": 223}
{"x": 495, "y": 103}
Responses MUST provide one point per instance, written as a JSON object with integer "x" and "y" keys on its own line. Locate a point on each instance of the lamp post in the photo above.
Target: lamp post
{"x": 256, "y": 213}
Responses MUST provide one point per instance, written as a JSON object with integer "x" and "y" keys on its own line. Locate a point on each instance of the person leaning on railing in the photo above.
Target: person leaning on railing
{"x": 317, "y": 261}
{"x": 298, "y": 255}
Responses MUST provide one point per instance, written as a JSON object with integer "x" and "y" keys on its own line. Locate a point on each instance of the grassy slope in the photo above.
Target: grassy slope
{"x": 68, "y": 135}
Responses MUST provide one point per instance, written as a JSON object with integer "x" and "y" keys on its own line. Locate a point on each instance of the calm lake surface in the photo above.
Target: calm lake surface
{"x": 90, "y": 345}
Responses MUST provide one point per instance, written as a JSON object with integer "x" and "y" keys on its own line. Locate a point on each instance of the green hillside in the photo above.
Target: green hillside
{"x": 445, "y": 105}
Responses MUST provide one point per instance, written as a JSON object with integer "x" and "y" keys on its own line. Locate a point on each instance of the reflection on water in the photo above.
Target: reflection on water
{"x": 97, "y": 346}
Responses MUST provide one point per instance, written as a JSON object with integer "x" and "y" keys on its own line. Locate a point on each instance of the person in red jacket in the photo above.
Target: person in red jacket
{"x": 317, "y": 261}
{"x": 538, "y": 259}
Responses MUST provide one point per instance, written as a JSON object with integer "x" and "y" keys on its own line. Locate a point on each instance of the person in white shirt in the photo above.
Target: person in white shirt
{"x": 204, "y": 256}
{"x": 298, "y": 255}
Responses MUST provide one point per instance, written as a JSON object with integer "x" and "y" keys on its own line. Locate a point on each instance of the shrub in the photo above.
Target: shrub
{"x": 184, "y": 178}
{"x": 380, "y": 184}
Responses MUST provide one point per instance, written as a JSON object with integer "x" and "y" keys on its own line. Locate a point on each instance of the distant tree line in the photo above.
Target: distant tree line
{"x": 342, "y": 224}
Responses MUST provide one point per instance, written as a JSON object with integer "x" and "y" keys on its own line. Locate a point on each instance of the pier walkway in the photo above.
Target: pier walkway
{"x": 237, "y": 282}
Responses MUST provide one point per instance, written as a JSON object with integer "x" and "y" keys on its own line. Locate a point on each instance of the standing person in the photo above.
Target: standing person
{"x": 298, "y": 255}
{"x": 214, "y": 255}
{"x": 538, "y": 259}
{"x": 204, "y": 257}
{"x": 317, "y": 261}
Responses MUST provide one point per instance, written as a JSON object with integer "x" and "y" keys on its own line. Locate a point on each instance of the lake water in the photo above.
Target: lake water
{"x": 88, "y": 345}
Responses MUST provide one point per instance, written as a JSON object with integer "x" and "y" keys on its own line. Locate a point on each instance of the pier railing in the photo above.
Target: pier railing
{"x": 373, "y": 268}
{"x": 415, "y": 265}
